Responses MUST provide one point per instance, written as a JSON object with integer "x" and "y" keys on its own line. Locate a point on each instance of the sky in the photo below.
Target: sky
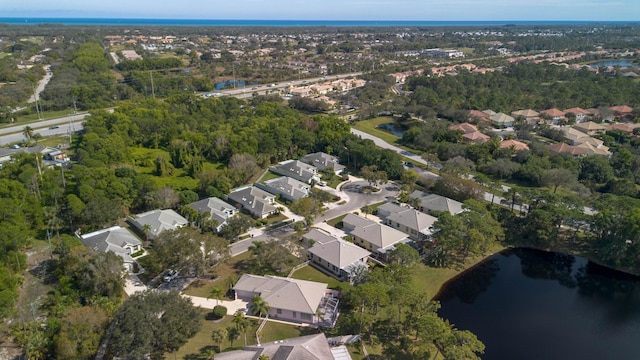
{"x": 426, "y": 10}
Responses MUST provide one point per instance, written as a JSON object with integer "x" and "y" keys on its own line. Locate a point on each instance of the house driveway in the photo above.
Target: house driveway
{"x": 232, "y": 306}
{"x": 133, "y": 285}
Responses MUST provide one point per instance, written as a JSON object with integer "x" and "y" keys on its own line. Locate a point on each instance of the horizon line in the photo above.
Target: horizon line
{"x": 345, "y": 20}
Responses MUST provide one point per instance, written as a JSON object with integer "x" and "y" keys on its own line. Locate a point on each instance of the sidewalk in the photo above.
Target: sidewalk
{"x": 330, "y": 229}
{"x": 232, "y": 306}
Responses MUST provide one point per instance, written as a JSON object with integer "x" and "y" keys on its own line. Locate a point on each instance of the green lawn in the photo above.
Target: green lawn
{"x": 202, "y": 340}
{"x": 232, "y": 268}
{"x": 268, "y": 176}
{"x": 272, "y": 219}
{"x": 25, "y": 119}
{"x": 145, "y": 161}
{"x": 371, "y": 127}
{"x": 431, "y": 280}
{"x": 333, "y": 222}
{"x": 312, "y": 274}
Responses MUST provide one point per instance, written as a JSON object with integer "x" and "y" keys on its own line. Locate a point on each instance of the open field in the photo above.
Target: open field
{"x": 371, "y": 127}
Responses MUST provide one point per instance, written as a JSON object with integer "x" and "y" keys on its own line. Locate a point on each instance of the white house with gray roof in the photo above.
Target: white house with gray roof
{"x": 291, "y": 300}
{"x": 116, "y": 239}
{"x": 297, "y": 170}
{"x": 257, "y": 202}
{"x": 218, "y": 210}
{"x": 288, "y": 188}
{"x": 338, "y": 257}
{"x": 158, "y": 221}
{"x": 432, "y": 202}
{"x": 375, "y": 237}
{"x": 323, "y": 161}
{"x": 418, "y": 225}
{"x": 317, "y": 236}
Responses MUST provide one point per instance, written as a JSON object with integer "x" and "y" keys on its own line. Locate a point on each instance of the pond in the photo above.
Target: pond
{"x": 621, "y": 63}
{"x": 392, "y": 128}
{"x": 528, "y": 304}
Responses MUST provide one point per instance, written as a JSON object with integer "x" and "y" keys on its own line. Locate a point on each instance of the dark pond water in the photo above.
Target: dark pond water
{"x": 528, "y": 304}
{"x": 621, "y": 63}
{"x": 392, "y": 129}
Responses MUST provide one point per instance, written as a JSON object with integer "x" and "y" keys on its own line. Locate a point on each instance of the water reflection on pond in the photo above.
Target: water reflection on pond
{"x": 529, "y": 304}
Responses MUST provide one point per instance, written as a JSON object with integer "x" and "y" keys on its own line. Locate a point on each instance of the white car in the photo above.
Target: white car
{"x": 172, "y": 274}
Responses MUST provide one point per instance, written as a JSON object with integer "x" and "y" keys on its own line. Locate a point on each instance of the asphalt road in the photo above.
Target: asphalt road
{"x": 358, "y": 199}
{"x": 61, "y": 126}
{"x": 241, "y": 246}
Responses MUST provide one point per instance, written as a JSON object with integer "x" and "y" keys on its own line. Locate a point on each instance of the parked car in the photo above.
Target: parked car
{"x": 172, "y": 274}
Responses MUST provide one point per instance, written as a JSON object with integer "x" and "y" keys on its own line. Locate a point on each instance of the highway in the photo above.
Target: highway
{"x": 60, "y": 126}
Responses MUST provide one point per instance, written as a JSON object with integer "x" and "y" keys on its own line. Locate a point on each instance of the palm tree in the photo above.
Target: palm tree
{"x": 146, "y": 229}
{"x": 259, "y": 307}
{"x": 209, "y": 353}
{"x": 215, "y": 293}
{"x": 217, "y": 336}
{"x": 242, "y": 323}
{"x": 232, "y": 334}
{"x": 27, "y": 132}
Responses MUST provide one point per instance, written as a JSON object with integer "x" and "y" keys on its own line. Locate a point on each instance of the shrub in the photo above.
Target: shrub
{"x": 219, "y": 311}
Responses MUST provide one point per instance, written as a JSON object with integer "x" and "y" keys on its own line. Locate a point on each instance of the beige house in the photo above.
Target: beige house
{"x": 590, "y": 128}
{"x": 375, "y": 237}
{"x": 532, "y": 117}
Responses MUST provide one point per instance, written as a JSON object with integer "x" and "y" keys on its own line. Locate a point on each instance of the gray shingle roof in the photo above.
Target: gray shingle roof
{"x": 433, "y": 202}
{"x": 413, "y": 219}
{"x": 256, "y": 201}
{"x": 323, "y": 161}
{"x": 339, "y": 253}
{"x": 290, "y": 188}
{"x": 318, "y": 236}
{"x": 219, "y": 209}
{"x": 296, "y": 169}
{"x": 113, "y": 239}
{"x": 310, "y": 347}
{"x": 381, "y": 236}
{"x": 159, "y": 221}
{"x": 284, "y": 293}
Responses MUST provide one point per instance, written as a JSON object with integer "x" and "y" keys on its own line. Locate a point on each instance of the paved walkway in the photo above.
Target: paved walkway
{"x": 232, "y": 306}
{"x": 330, "y": 229}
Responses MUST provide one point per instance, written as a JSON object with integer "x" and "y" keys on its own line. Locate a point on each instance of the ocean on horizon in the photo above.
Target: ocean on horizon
{"x": 283, "y": 23}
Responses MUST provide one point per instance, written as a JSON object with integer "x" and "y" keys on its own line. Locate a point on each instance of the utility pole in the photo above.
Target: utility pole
{"x": 233, "y": 69}
{"x": 35, "y": 98}
{"x": 75, "y": 109}
{"x": 153, "y": 92}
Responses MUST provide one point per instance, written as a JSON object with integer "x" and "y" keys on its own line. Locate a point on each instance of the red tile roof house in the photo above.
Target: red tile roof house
{"x": 476, "y": 137}
{"x": 464, "y": 127}
{"x": 580, "y": 114}
{"x": 477, "y": 116}
{"x": 513, "y": 144}
{"x": 566, "y": 148}
{"x": 554, "y": 115}
{"x": 622, "y": 111}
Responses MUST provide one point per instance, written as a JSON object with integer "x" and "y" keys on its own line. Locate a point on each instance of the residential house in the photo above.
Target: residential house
{"x": 256, "y": 202}
{"x": 464, "y": 127}
{"x": 154, "y": 222}
{"x": 288, "y": 188}
{"x": 309, "y": 347}
{"x": 323, "y": 161}
{"x": 513, "y": 144}
{"x": 502, "y": 120}
{"x": 573, "y": 136}
{"x": 217, "y": 209}
{"x": 298, "y": 170}
{"x": 590, "y": 128}
{"x": 566, "y": 148}
{"x": 622, "y": 111}
{"x": 302, "y": 92}
{"x": 530, "y": 116}
{"x": 418, "y": 225}
{"x": 477, "y": 116}
{"x": 50, "y": 156}
{"x": 620, "y": 127}
{"x": 337, "y": 257}
{"x": 594, "y": 146}
{"x": 317, "y": 236}
{"x": 375, "y": 237}
{"x": 475, "y": 137}
{"x": 553, "y": 115}
{"x": 292, "y": 300}
{"x": 432, "y": 202}
{"x": 580, "y": 114}
{"x": 116, "y": 239}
